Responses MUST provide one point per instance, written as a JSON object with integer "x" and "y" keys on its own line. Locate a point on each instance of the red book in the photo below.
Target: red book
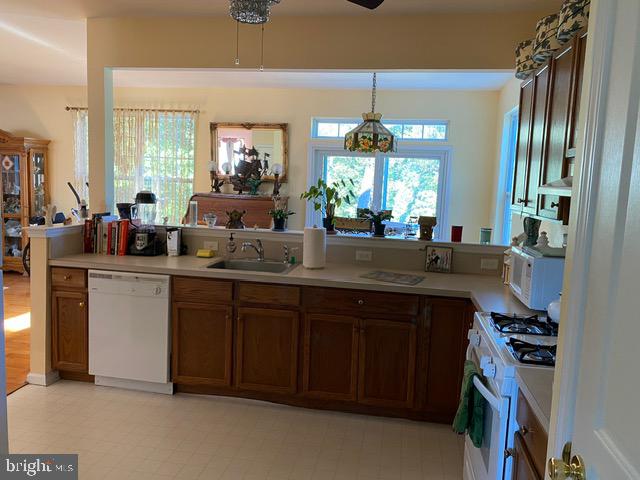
{"x": 124, "y": 235}
{"x": 88, "y": 236}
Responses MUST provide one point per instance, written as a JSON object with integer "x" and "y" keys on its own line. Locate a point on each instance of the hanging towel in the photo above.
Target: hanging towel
{"x": 470, "y": 415}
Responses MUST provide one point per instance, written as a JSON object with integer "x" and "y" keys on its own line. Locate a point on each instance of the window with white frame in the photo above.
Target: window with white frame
{"x": 412, "y": 130}
{"x": 410, "y": 182}
{"x": 505, "y": 181}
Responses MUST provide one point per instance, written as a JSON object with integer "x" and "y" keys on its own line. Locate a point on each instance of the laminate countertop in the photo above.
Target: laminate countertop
{"x": 536, "y": 385}
{"x": 488, "y": 293}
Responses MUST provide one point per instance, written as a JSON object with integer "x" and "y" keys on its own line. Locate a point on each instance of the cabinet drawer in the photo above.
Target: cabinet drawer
{"x": 532, "y": 433}
{"x": 68, "y": 277}
{"x": 202, "y": 290}
{"x": 360, "y": 301}
{"x": 268, "y": 294}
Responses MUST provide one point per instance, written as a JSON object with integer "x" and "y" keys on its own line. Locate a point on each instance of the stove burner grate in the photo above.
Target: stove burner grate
{"x": 532, "y": 354}
{"x": 531, "y": 325}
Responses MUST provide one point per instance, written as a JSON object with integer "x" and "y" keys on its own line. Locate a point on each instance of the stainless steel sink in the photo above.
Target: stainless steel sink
{"x": 253, "y": 266}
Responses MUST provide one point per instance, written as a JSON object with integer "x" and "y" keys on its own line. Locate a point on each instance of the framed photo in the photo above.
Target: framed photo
{"x": 439, "y": 259}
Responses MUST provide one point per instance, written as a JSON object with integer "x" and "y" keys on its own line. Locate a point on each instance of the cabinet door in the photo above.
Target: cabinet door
{"x": 554, "y": 166}
{"x": 580, "y": 45}
{"x": 538, "y": 134}
{"x": 387, "y": 363}
{"x": 69, "y": 331}
{"x": 522, "y": 147}
{"x": 523, "y": 468}
{"x": 330, "y": 368}
{"x": 448, "y": 322}
{"x": 267, "y": 350}
{"x": 202, "y": 341}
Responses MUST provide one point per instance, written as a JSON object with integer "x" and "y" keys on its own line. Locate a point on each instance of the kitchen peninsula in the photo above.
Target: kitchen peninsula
{"x": 326, "y": 338}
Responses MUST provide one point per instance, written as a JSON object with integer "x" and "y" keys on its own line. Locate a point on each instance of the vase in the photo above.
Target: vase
{"x": 327, "y": 223}
{"x": 378, "y": 229}
{"x": 279, "y": 224}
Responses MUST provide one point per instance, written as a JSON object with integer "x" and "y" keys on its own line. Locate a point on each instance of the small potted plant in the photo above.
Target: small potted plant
{"x": 279, "y": 213}
{"x": 327, "y": 198}
{"x": 377, "y": 219}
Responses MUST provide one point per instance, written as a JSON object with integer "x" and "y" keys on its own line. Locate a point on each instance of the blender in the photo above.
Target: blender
{"x": 145, "y": 240}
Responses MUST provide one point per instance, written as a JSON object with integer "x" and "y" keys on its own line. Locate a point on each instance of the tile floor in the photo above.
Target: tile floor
{"x": 130, "y": 435}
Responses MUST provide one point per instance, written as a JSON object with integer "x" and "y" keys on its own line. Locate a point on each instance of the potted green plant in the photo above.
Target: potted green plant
{"x": 326, "y": 198}
{"x": 279, "y": 213}
{"x": 377, "y": 219}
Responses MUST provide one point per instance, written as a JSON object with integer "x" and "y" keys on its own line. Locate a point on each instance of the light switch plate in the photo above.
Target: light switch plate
{"x": 211, "y": 245}
{"x": 364, "y": 255}
{"x": 488, "y": 264}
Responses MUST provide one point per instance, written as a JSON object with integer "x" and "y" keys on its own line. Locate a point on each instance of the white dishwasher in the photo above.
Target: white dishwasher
{"x": 129, "y": 344}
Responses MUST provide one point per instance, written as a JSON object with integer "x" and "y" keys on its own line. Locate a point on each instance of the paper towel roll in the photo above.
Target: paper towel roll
{"x": 314, "y": 247}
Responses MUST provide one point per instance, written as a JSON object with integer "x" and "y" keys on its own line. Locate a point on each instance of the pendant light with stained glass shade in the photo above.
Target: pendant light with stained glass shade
{"x": 371, "y": 135}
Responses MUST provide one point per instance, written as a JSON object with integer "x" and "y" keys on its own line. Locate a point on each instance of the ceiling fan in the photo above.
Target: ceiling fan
{"x": 370, "y": 4}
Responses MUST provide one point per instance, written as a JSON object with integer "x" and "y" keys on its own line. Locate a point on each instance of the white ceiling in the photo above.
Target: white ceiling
{"x": 80, "y": 9}
{"x": 451, "y": 80}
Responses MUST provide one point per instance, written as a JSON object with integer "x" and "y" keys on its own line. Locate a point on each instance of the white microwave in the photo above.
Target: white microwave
{"x": 535, "y": 280}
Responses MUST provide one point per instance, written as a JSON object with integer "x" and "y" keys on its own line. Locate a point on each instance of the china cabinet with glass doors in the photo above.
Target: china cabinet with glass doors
{"x": 24, "y": 192}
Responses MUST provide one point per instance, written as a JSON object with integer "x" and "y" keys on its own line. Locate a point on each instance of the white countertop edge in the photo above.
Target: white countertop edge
{"x": 54, "y": 231}
{"x": 543, "y": 418}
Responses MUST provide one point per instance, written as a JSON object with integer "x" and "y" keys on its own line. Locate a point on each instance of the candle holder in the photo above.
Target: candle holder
{"x": 216, "y": 182}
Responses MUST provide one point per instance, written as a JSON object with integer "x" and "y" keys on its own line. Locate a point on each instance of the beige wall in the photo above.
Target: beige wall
{"x": 434, "y": 41}
{"x": 472, "y": 118}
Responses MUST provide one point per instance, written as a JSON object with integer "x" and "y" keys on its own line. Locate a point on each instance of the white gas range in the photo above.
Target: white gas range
{"x": 499, "y": 344}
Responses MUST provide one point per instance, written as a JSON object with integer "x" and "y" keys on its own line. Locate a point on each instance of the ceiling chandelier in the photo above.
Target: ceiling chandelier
{"x": 371, "y": 135}
{"x": 251, "y": 12}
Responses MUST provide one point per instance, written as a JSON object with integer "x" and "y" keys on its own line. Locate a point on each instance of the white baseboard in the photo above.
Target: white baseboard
{"x": 165, "y": 388}
{"x": 44, "y": 379}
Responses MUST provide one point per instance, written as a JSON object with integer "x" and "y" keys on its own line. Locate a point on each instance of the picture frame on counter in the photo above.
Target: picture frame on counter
{"x": 438, "y": 259}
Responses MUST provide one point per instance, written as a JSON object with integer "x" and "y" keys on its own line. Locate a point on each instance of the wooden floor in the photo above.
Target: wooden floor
{"x": 17, "y": 309}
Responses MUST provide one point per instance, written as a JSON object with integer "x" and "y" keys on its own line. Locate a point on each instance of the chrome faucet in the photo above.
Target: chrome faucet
{"x": 257, "y": 247}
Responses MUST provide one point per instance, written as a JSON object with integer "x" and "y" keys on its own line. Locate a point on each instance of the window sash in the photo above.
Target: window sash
{"x": 317, "y": 169}
{"x": 404, "y": 124}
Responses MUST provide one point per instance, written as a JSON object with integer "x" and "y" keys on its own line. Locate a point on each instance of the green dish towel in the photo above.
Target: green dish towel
{"x": 470, "y": 415}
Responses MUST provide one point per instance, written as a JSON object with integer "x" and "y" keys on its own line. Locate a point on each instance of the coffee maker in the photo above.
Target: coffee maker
{"x": 145, "y": 240}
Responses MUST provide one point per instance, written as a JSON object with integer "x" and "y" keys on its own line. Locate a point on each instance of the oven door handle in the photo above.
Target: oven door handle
{"x": 498, "y": 404}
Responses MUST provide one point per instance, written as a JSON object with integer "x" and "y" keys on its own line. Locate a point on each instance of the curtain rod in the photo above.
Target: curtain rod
{"x": 69, "y": 108}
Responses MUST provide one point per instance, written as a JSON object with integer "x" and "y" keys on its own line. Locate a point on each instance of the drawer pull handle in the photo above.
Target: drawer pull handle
{"x": 360, "y": 302}
{"x": 66, "y": 277}
{"x": 555, "y": 204}
{"x": 524, "y": 430}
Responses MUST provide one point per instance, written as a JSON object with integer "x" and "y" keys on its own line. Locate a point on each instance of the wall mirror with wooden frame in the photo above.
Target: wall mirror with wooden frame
{"x": 227, "y": 140}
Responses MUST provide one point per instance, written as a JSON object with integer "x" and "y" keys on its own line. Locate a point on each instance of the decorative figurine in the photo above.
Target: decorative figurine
{"x": 531, "y": 228}
{"x": 426, "y": 227}
{"x": 235, "y": 219}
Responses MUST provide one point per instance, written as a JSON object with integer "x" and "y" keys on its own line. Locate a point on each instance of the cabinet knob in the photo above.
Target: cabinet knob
{"x": 66, "y": 277}
{"x": 360, "y": 302}
{"x": 555, "y": 204}
{"x": 523, "y": 430}
{"x": 81, "y": 304}
{"x": 522, "y": 200}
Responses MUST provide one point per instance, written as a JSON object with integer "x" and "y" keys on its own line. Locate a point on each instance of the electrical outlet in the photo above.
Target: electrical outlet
{"x": 488, "y": 264}
{"x": 211, "y": 245}
{"x": 364, "y": 255}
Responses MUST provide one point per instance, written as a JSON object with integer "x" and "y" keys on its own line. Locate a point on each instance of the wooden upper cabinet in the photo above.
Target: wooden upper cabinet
{"x": 69, "y": 330}
{"x": 522, "y": 147}
{"x": 537, "y": 138}
{"x": 330, "y": 356}
{"x": 202, "y": 344}
{"x": 554, "y": 166}
{"x": 580, "y": 46}
{"x": 267, "y": 350}
{"x": 523, "y": 468}
{"x": 448, "y": 322}
{"x": 387, "y": 363}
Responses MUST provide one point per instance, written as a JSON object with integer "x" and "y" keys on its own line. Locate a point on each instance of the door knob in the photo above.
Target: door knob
{"x": 568, "y": 467}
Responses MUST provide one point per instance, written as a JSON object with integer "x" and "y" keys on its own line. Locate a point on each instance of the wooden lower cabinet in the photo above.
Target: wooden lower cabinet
{"x": 202, "y": 344}
{"x": 70, "y": 330}
{"x": 387, "y": 363}
{"x": 523, "y": 468}
{"x": 267, "y": 350}
{"x": 330, "y": 356}
{"x": 448, "y": 322}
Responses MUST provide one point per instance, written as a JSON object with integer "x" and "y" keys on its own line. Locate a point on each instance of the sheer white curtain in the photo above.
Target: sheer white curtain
{"x": 81, "y": 152}
{"x": 155, "y": 150}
